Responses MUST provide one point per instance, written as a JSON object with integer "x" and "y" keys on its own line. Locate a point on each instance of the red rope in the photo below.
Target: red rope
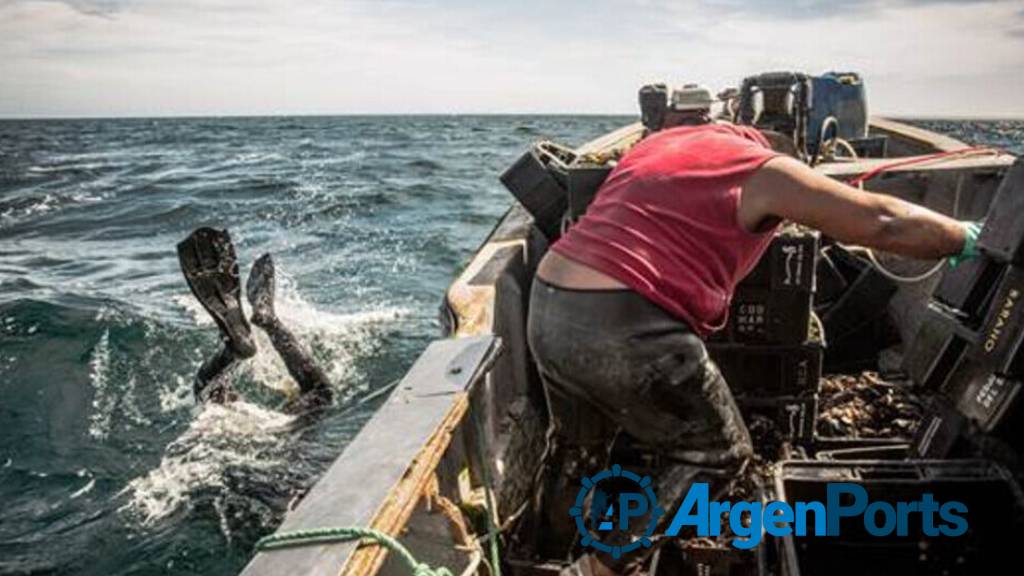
{"x": 919, "y": 160}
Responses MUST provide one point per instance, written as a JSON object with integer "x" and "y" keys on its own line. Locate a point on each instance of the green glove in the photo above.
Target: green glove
{"x": 970, "y": 249}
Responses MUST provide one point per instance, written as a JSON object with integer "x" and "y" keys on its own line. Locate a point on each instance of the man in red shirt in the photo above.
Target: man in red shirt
{"x": 622, "y": 301}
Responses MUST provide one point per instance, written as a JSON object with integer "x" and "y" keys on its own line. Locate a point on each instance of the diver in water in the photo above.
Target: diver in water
{"x": 208, "y": 261}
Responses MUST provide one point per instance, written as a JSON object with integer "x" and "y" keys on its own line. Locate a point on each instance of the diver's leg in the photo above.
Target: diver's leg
{"x": 208, "y": 261}
{"x": 206, "y": 386}
{"x": 300, "y": 363}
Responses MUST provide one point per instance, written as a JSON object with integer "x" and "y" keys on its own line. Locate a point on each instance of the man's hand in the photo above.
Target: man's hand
{"x": 786, "y": 188}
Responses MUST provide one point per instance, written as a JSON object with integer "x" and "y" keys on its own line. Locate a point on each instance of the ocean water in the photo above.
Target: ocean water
{"x": 106, "y": 465}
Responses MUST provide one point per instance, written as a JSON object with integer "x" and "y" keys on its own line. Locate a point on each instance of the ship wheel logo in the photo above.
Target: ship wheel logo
{"x": 613, "y": 510}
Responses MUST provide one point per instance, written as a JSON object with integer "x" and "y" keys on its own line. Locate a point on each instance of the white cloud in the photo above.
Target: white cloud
{"x": 103, "y": 57}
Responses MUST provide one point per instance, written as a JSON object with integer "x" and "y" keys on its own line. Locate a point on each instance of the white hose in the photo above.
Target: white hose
{"x": 868, "y": 251}
{"x": 938, "y": 265}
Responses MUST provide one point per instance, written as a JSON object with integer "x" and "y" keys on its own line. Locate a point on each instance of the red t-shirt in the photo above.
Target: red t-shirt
{"x": 665, "y": 222}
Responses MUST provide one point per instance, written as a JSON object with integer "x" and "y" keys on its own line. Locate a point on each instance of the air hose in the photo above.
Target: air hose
{"x": 859, "y": 183}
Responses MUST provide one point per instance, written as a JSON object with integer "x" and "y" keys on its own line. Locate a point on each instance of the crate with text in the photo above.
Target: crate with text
{"x": 767, "y": 371}
{"x": 1002, "y": 237}
{"x": 772, "y": 305}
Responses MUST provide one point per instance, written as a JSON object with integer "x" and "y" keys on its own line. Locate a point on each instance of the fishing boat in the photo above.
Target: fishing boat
{"x": 447, "y": 464}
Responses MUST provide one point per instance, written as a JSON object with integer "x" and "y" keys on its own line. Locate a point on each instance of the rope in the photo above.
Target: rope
{"x": 859, "y": 183}
{"x": 327, "y": 535}
{"x": 489, "y": 503}
{"x": 859, "y": 180}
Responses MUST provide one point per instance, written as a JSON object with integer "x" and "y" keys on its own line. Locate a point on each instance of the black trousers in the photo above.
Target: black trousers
{"x": 613, "y": 362}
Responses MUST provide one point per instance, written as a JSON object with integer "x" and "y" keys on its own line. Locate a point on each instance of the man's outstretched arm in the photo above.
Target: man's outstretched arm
{"x": 786, "y": 188}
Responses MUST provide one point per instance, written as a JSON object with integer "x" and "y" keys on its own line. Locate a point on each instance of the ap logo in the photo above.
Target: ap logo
{"x": 620, "y": 499}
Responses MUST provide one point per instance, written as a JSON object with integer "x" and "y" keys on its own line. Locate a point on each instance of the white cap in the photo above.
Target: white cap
{"x": 691, "y": 97}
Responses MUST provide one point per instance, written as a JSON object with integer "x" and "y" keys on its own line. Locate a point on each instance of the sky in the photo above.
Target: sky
{"x": 944, "y": 58}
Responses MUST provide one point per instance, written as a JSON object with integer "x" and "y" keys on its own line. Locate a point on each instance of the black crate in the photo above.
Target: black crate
{"x": 789, "y": 264}
{"x": 653, "y": 99}
{"x": 992, "y": 497}
{"x": 863, "y": 449}
{"x": 1003, "y": 233}
{"x": 864, "y": 302}
{"x": 967, "y": 289}
{"x": 1002, "y": 333}
{"x": 940, "y": 430}
{"x": 764, "y": 316}
{"x": 583, "y": 181}
{"x": 936, "y": 350}
{"x": 769, "y": 371}
{"x": 990, "y": 401}
{"x": 829, "y": 283}
{"x": 794, "y": 416}
{"x": 537, "y": 180}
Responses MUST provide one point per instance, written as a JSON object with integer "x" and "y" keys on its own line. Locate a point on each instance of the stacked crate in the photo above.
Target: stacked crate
{"x": 770, "y": 351}
{"x": 555, "y": 184}
{"x": 970, "y": 349}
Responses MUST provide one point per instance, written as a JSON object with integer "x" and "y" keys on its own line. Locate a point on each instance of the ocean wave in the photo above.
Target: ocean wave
{"x": 239, "y": 436}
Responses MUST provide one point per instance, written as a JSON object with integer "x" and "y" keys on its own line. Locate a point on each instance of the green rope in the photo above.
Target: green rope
{"x": 327, "y": 535}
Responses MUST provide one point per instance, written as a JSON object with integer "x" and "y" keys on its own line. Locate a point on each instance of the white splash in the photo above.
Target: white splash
{"x": 341, "y": 338}
{"x": 130, "y": 405}
{"x": 103, "y": 399}
{"x": 221, "y": 436}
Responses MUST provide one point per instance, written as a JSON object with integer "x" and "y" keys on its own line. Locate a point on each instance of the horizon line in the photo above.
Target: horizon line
{"x": 895, "y": 116}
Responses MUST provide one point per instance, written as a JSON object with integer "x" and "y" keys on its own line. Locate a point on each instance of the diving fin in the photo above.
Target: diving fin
{"x": 260, "y": 290}
{"x": 208, "y": 261}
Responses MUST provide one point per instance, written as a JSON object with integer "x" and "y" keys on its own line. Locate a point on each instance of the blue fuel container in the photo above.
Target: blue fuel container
{"x": 841, "y": 95}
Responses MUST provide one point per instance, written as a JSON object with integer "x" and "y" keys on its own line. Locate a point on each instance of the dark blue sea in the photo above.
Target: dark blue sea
{"x": 107, "y": 466}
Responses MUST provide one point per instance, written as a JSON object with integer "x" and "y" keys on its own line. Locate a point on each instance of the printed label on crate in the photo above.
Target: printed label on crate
{"x": 1000, "y": 341}
{"x": 751, "y": 318}
{"x": 794, "y": 255}
{"x": 986, "y": 399}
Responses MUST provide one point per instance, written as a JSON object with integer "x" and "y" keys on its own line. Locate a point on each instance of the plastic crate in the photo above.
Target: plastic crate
{"x": 766, "y": 316}
{"x": 537, "y": 180}
{"x": 936, "y": 350}
{"x": 967, "y": 289}
{"x": 993, "y": 499}
{"x": 768, "y": 371}
{"x": 830, "y": 282}
{"x": 794, "y": 416}
{"x": 893, "y": 451}
{"x": 583, "y": 181}
{"x": 789, "y": 264}
{"x": 1002, "y": 236}
{"x": 1001, "y": 336}
{"x": 940, "y": 430}
{"x": 866, "y": 300}
{"x": 839, "y": 447}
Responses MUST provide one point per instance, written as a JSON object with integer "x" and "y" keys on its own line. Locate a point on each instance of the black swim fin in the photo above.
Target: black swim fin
{"x": 208, "y": 261}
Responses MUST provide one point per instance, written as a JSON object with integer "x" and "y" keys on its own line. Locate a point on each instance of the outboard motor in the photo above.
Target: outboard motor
{"x": 690, "y": 105}
{"x": 653, "y": 106}
{"x": 778, "y": 101}
{"x": 808, "y": 108}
